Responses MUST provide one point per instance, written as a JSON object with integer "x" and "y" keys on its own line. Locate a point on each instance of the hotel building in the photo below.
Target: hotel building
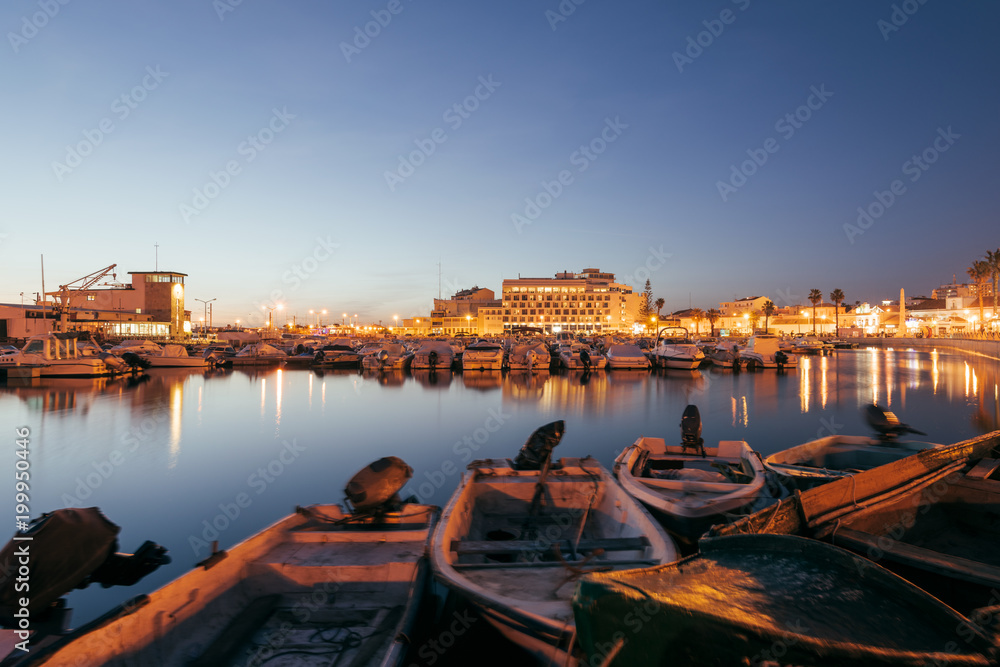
{"x": 590, "y": 301}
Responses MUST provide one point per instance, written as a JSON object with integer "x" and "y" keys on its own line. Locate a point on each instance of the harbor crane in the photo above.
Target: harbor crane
{"x": 69, "y": 291}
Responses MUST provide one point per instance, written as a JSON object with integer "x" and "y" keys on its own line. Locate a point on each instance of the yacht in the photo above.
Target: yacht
{"x": 483, "y": 356}
{"x": 577, "y": 356}
{"x": 56, "y": 355}
{"x": 386, "y": 356}
{"x": 676, "y": 350}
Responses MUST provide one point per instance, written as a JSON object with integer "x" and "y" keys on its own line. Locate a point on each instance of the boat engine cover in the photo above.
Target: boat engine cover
{"x": 66, "y": 546}
{"x": 378, "y": 483}
{"x": 539, "y": 446}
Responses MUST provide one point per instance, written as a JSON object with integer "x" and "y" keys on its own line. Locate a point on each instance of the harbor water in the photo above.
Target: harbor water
{"x": 185, "y": 458}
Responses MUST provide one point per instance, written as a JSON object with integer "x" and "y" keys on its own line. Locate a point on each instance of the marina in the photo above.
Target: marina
{"x": 187, "y": 457}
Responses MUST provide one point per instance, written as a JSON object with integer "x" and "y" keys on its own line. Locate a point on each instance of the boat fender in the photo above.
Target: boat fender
{"x": 377, "y": 484}
{"x": 66, "y": 546}
{"x": 539, "y": 446}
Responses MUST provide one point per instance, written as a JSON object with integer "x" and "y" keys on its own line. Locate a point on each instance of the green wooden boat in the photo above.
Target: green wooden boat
{"x": 750, "y": 599}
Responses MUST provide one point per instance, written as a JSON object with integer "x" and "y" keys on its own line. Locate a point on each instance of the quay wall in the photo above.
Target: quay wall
{"x": 987, "y": 348}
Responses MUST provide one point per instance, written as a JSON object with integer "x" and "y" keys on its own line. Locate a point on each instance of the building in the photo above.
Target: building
{"x": 586, "y": 302}
{"x": 151, "y": 306}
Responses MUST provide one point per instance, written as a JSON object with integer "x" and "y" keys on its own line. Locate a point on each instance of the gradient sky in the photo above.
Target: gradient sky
{"x": 556, "y": 80}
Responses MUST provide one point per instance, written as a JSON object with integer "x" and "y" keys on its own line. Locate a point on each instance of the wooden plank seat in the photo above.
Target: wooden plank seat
{"x": 984, "y": 469}
{"x": 513, "y": 547}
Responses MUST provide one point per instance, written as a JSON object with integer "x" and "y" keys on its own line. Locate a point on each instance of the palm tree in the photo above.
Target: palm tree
{"x": 713, "y": 315}
{"x": 980, "y": 271}
{"x": 837, "y": 296}
{"x": 993, "y": 259}
{"x": 816, "y": 298}
{"x": 659, "y": 303}
{"x": 697, "y": 314}
{"x": 769, "y": 310}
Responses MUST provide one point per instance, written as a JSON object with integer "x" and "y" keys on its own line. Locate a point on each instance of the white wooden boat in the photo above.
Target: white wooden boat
{"x": 834, "y": 456}
{"x": 691, "y": 487}
{"x": 514, "y": 538}
{"x": 318, "y": 587}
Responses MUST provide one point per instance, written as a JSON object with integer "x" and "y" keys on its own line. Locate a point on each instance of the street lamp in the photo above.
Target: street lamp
{"x": 311, "y": 313}
{"x": 205, "y": 318}
{"x": 322, "y": 314}
{"x": 343, "y": 319}
{"x": 468, "y": 323}
{"x": 395, "y": 321}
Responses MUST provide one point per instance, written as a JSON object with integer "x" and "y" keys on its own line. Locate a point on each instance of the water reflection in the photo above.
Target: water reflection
{"x": 482, "y": 380}
{"x": 433, "y": 379}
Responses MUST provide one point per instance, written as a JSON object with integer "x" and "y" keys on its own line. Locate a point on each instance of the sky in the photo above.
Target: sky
{"x": 360, "y": 157}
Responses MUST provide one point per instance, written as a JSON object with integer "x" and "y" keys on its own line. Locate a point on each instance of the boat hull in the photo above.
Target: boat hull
{"x": 744, "y": 597}
{"x": 298, "y": 575}
{"x": 510, "y": 563}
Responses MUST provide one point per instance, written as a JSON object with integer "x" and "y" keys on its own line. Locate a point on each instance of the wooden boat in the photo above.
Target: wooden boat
{"x": 515, "y": 536}
{"x": 320, "y": 586}
{"x": 690, "y": 487}
{"x": 835, "y": 456}
{"x": 932, "y": 517}
{"x": 750, "y": 599}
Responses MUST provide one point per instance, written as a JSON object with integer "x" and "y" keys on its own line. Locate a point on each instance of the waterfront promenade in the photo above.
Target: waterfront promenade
{"x": 985, "y": 347}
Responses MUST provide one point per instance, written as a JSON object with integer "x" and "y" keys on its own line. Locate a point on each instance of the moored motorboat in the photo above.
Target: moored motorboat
{"x": 676, "y": 350}
{"x": 748, "y": 599}
{"x": 835, "y": 456}
{"x": 764, "y": 351}
{"x": 386, "y": 357}
{"x": 626, "y": 357}
{"x": 690, "y": 487}
{"x": 433, "y": 355}
{"x": 174, "y": 356}
{"x": 534, "y": 357}
{"x": 516, "y": 534}
{"x": 324, "y": 585}
{"x": 55, "y": 355}
{"x": 723, "y": 355}
{"x": 483, "y": 356}
{"x": 259, "y": 354}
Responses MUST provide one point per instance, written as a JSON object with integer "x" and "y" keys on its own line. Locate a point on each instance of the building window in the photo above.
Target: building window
{"x": 91, "y": 297}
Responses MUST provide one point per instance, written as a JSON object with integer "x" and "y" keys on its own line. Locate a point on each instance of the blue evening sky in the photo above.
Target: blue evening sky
{"x": 276, "y": 153}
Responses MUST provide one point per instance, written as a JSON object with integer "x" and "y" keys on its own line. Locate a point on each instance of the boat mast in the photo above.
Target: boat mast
{"x": 43, "y": 293}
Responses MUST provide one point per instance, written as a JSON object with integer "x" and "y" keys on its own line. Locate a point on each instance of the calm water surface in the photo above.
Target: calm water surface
{"x": 171, "y": 457}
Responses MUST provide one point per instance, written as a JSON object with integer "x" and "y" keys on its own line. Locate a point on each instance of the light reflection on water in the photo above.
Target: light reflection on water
{"x": 166, "y": 455}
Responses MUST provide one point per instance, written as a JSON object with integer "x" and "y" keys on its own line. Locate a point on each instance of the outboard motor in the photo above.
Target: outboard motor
{"x": 780, "y": 358}
{"x": 432, "y": 360}
{"x": 691, "y": 430}
{"x": 539, "y": 446}
{"x": 382, "y": 356}
{"x": 71, "y": 548}
{"x": 375, "y": 488}
{"x": 585, "y": 359}
{"x": 134, "y": 361}
{"x": 887, "y": 424}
